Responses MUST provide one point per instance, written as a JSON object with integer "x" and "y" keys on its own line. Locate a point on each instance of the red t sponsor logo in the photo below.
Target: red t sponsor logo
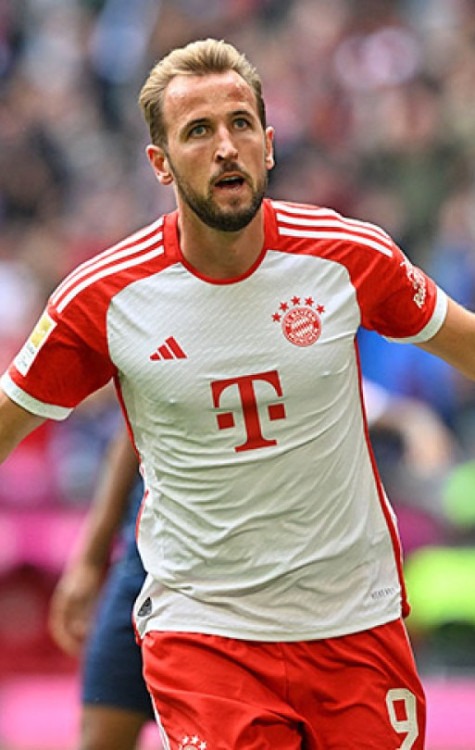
{"x": 250, "y": 407}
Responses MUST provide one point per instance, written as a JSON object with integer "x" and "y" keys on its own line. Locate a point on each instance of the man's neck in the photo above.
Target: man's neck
{"x": 217, "y": 254}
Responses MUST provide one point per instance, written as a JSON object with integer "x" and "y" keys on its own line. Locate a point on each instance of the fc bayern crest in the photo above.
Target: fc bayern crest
{"x": 300, "y": 320}
{"x": 192, "y": 742}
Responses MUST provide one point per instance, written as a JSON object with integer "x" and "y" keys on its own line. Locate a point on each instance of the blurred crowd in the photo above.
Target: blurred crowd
{"x": 373, "y": 102}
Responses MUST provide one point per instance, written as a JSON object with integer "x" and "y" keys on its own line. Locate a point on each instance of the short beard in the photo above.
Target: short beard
{"x": 206, "y": 210}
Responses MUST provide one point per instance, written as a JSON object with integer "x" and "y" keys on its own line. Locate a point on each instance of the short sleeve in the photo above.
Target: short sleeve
{"x": 63, "y": 361}
{"x": 398, "y": 300}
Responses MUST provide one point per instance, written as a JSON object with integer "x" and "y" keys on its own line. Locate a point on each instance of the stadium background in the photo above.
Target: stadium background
{"x": 374, "y": 107}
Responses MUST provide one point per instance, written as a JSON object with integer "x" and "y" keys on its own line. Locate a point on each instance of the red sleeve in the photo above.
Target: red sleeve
{"x": 66, "y": 357}
{"x": 396, "y": 298}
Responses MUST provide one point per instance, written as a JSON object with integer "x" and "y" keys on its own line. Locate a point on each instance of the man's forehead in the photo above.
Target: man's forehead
{"x": 193, "y": 91}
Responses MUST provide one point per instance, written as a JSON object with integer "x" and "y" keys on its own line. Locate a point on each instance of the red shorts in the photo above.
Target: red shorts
{"x": 355, "y": 692}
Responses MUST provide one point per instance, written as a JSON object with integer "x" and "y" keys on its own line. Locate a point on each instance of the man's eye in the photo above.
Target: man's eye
{"x": 197, "y": 131}
{"x": 241, "y": 123}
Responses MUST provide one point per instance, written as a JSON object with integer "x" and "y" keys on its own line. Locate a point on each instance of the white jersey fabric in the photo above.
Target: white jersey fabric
{"x": 264, "y": 516}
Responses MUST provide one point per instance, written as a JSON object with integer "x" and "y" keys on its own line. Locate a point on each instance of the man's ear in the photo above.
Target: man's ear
{"x": 160, "y": 166}
{"x": 269, "y": 143}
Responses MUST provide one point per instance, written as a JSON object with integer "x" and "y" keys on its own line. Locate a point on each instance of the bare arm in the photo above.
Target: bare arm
{"x": 455, "y": 340}
{"x": 15, "y": 424}
{"x": 73, "y": 601}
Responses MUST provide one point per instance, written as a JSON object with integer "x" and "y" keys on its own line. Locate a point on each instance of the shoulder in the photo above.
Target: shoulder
{"x": 136, "y": 256}
{"x": 330, "y": 229}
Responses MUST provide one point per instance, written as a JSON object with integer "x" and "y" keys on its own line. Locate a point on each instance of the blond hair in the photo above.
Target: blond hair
{"x": 198, "y": 58}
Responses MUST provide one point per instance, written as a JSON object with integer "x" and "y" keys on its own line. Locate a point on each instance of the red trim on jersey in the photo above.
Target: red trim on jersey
{"x": 393, "y": 532}
{"x": 172, "y": 243}
{"x": 132, "y": 440}
{"x": 128, "y": 426}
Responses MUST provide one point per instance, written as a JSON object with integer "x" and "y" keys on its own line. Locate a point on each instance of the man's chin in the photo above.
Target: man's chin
{"x": 230, "y": 218}
{"x": 235, "y": 217}
{"x": 231, "y": 221}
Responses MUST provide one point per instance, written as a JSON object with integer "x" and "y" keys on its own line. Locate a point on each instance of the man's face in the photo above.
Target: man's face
{"x": 217, "y": 152}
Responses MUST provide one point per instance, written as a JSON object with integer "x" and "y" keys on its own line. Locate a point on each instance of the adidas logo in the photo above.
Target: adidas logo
{"x": 170, "y": 349}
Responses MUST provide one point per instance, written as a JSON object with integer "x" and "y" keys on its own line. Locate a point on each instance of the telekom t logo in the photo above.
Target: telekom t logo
{"x": 250, "y": 407}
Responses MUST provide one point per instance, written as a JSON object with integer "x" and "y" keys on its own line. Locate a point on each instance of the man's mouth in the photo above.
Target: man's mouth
{"x": 230, "y": 182}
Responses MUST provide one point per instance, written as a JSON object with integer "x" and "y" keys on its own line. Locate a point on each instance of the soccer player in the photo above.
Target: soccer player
{"x": 271, "y": 615}
{"x": 91, "y": 609}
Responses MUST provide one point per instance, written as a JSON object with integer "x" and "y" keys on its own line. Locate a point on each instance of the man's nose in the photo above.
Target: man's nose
{"x": 226, "y": 148}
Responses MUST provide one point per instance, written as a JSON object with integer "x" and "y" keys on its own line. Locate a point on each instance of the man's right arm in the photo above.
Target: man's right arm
{"x": 16, "y": 423}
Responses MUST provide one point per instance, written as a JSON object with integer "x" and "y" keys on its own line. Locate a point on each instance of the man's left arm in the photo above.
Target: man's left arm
{"x": 455, "y": 340}
{"x": 15, "y": 424}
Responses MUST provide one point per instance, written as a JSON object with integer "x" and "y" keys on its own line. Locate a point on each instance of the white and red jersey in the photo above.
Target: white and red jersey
{"x": 264, "y": 515}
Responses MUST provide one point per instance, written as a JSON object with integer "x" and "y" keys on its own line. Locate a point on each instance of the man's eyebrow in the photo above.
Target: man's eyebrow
{"x": 243, "y": 112}
{"x": 193, "y": 123}
{"x": 233, "y": 113}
